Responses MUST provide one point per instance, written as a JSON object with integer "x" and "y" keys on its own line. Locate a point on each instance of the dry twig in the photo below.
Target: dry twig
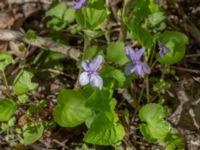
{"x": 10, "y": 35}
{"x": 186, "y": 69}
{"x": 29, "y": 1}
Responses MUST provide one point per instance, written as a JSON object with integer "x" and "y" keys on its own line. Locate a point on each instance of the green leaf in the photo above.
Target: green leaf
{"x": 89, "y": 120}
{"x": 154, "y": 7}
{"x": 23, "y": 98}
{"x": 176, "y": 37}
{"x": 99, "y": 99}
{"x": 84, "y": 147}
{"x": 151, "y": 112}
{"x": 155, "y": 128}
{"x": 31, "y": 109}
{"x": 49, "y": 59}
{"x": 11, "y": 121}
{"x": 69, "y": 15}
{"x": 116, "y": 53}
{"x": 57, "y": 11}
{"x": 113, "y": 104}
{"x": 22, "y": 47}
{"x": 105, "y": 130}
{"x": 138, "y": 32}
{"x": 158, "y": 86}
{"x": 159, "y": 130}
{"x": 126, "y": 115}
{"x": 60, "y": 16}
{"x": 56, "y": 24}
{"x": 155, "y": 19}
{"x": 31, "y": 35}
{"x": 53, "y": 57}
{"x": 18, "y": 130}
{"x": 176, "y": 43}
{"x": 97, "y": 4}
{"x": 49, "y": 124}
{"x": 141, "y": 10}
{"x": 4, "y": 126}
{"x": 7, "y": 109}
{"x": 32, "y": 132}
{"x": 5, "y": 59}
{"x": 23, "y": 84}
{"x": 91, "y": 52}
{"x": 109, "y": 73}
{"x": 175, "y": 141}
{"x": 71, "y": 110}
{"x": 93, "y": 33}
{"x": 90, "y": 18}
{"x": 146, "y": 132}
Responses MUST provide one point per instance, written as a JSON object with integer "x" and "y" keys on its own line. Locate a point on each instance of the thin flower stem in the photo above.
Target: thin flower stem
{"x": 125, "y": 12}
{"x": 107, "y": 33}
{"x": 86, "y": 45}
{"x": 141, "y": 93}
{"x": 163, "y": 72}
{"x": 152, "y": 56}
{"x": 147, "y": 88}
{"x": 161, "y": 78}
{"x": 154, "y": 98}
{"x": 5, "y": 81}
{"x": 132, "y": 87}
{"x": 137, "y": 103}
{"x": 153, "y": 64}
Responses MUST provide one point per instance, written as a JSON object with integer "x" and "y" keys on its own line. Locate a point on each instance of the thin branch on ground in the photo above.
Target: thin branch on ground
{"x": 10, "y": 35}
{"x": 186, "y": 69}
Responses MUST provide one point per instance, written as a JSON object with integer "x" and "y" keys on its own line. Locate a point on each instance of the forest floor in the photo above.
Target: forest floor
{"x": 183, "y": 97}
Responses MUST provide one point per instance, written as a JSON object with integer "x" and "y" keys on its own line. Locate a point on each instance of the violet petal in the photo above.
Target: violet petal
{"x": 86, "y": 65}
{"x": 138, "y": 69}
{"x": 161, "y": 54}
{"x": 130, "y": 68}
{"x": 96, "y": 63}
{"x": 134, "y": 54}
{"x": 146, "y": 68}
{"x": 96, "y": 80}
{"x": 163, "y": 49}
{"x": 129, "y": 52}
{"x": 138, "y": 54}
{"x": 79, "y": 4}
{"x": 84, "y": 78}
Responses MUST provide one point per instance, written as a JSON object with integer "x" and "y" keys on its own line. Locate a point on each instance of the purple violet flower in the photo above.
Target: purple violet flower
{"x": 80, "y": 3}
{"x": 136, "y": 65}
{"x": 163, "y": 49}
{"x": 91, "y": 72}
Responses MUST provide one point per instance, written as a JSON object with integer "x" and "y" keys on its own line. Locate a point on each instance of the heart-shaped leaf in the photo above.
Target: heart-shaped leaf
{"x": 175, "y": 42}
{"x": 23, "y": 83}
{"x": 71, "y": 110}
{"x": 7, "y": 108}
{"x": 5, "y": 59}
{"x": 32, "y": 132}
{"x": 105, "y": 130}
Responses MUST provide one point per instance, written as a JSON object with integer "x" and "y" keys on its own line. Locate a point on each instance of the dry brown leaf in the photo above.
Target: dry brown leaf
{"x": 6, "y": 20}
